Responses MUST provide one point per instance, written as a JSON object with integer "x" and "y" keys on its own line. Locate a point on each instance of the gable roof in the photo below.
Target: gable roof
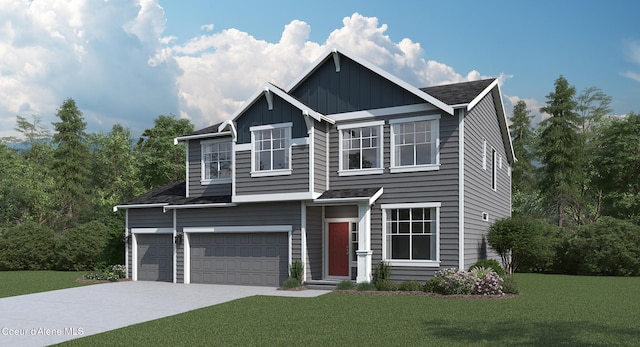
{"x": 171, "y": 194}
{"x": 458, "y": 93}
{"x": 335, "y": 52}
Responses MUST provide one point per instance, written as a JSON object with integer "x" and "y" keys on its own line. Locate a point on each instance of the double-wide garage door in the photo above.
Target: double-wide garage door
{"x": 155, "y": 257}
{"x": 240, "y": 258}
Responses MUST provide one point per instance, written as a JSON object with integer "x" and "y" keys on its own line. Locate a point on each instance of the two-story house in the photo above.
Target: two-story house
{"x": 347, "y": 167}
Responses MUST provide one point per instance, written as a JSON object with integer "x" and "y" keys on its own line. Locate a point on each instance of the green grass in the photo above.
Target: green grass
{"x": 552, "y": 310}
{"x": 27, "y": 282}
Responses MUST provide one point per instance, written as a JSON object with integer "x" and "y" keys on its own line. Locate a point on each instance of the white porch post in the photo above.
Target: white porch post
{"x": 364, "y": 244}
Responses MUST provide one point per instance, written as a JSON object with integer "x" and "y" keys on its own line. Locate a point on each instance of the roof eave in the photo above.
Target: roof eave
{"x": 125, "y": 207}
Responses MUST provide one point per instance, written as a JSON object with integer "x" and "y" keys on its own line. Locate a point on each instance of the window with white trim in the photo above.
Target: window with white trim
{"x": 361, "y": 148}
{"x": 414, "y": 143}
{"x": 271, "y": 149}
{"x": 411, "y": 233}
{"x": 484, "y": 154}
{"x": 494, "y": 169}
{"x": 216, "y": 161}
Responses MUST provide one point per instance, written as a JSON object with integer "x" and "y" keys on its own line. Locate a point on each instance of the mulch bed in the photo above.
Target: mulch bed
{"x": 433, "y": 295}
{"x": 84, "y": 280}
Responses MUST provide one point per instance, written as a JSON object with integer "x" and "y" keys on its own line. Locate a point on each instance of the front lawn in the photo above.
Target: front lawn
{"x": 26, "y": 282}
{"x": 551, "y": 310}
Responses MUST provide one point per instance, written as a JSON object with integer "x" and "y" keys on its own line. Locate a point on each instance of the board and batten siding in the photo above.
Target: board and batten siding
{"x": 354, "y": 88}
{"x": 412, "y": 187}
{"x": 297, "y": 182}
{"x": 480, "y": 124}
{"x": 197, "y": 189}
{"x": 250, "y": 214}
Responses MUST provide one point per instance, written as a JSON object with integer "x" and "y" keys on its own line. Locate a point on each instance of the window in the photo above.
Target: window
{"x": 484, "y": 154}
{"x": 411, "y": 233}
{"x": 361, "y": 148}
{"x": 414, "y": 143}
{"x": 216, "y": 162}
{"x": 354, "y": 241}
{"x": 271, "y": 149}
{"x": 494, "y": 169}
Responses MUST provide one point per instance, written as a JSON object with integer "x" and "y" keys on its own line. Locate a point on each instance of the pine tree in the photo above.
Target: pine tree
{"x": 70, "y": 162}
{"x": 522, "y": 137}
{"x": 560, "y": 147}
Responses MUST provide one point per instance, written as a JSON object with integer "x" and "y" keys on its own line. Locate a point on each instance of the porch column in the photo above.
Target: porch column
{"x": 364, "y": 244}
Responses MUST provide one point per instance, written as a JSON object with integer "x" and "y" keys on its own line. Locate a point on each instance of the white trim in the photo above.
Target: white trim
{"x": 274, "y": 197}
{"x": 461, "y": 186}
{"x": 482, "y": 94}
{"x": 311, "y": 150}
{"x": 408, "y": 262}
{"x": 325, "y": 246}
{"x": 494, "y": 169}
{"x": 367, "y": 171}
{"x": 271, "y": 126}
{"x": 299, "y": 141}
{"x": 175, "y": 247}
{"x": 126, "y": 207}
{"x": 435, "y": 132}
{"x": 485, "y": 216}
{"x": 240, "y": 229}
{"x": 381, "y": 112}
{"x": 134, "y": 245}
{"x": 151, "y": 231}
{"x": 215, "y": 181}
{"x": 186, "y": 168}
{"x": 234, "y": 148}
{"x": 360, "y": 125}
{"x": 186, "y": 261}
{"x": 484, "y": 154}
{"x": 191, "y": 206}
{"x": 200, "y": 136}
{"x": 204, "y": 181}
{"x": 303, "y": 240}
{"x": 289, "y": 143}
{"x": 126, "y": 246}
{"x": 241, "y": 147}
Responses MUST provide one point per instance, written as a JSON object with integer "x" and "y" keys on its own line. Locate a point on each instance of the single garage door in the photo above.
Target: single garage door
{"x": 259, "y": 259}
{"x": 155, "y": 257}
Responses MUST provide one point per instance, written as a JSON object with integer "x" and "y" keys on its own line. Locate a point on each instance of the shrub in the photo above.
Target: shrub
{"x": 27, "y": 246}
{"x": 509, "y": 286}
{"x": 452, "y": 281}
{"x": 111, "y": 273}
{"x": 433, "y": 286}
{"x": 487, "y": 282}
{"x": 525, "y": 243}
{"x": 410, "y": 286}
{"x": 382, "y": 272}
{"x": 364, "y": 286}
{"x": 386, "y": 286}
{"x": 82, "y": 247}
{"x": 489, "y": 264}
{"x": 345, "y": 285}
{"x": 607, "y": 247}
{"x": 296, "y": 270}
{"x": 291, "y": 283}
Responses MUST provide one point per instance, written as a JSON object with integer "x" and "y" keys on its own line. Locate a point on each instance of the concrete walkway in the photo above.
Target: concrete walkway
{"x": 52, "y": 317}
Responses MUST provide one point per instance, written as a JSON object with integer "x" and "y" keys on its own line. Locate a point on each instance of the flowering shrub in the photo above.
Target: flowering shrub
{"x": 479, "y": 281}
{"x": 113, "y": 273}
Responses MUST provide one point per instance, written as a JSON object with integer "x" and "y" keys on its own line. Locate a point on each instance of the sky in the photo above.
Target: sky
{"x": 128, "y": 61}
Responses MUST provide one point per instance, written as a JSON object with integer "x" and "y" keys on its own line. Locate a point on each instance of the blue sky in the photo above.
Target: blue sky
{"x": 127, "y": 61}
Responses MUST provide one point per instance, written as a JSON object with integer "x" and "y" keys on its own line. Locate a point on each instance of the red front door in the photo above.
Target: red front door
{"x": 339, "y": 249}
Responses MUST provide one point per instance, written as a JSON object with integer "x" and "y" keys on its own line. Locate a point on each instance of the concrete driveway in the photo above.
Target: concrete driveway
{"x": 52, "y": 317}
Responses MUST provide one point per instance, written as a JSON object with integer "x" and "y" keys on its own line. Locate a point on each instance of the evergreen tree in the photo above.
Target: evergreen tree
{"x": 70, "y": 164}
{"x": 522, "y": 138}
{"x": 560, "y": 148}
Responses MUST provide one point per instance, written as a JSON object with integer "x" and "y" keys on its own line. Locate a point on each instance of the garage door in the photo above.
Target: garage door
{"x": 246, "y": 258}
{"x": 155, "y": 257}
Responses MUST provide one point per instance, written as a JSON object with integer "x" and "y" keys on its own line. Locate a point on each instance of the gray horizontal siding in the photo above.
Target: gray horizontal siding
{"x": 354, "y": 88}
{"x": 320, "y": 158}
{"x": 150, "y": 218}
{"x": 297, "y": 182}
{"x": 313, "y": 263}
{"x": 413, "y": 187}
{"x": 196, "y": 189}
{"x": 259, "y": 114}
{"x": 482, "y": 123}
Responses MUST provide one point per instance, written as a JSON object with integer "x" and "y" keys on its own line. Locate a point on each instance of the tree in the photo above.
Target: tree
{"x": 116, "y": 175}
{"x": 70, "y": 161}
{"x": 560, "y": 148}
{"x": 617, "y": 153}
{"x": 592, "y": 105}
{"x": 522, "y": 137}
{"x": 161, "y": 161}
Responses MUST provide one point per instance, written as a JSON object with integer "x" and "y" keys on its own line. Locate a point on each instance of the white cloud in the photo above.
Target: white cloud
{"x": 112, "y": 58}
{"x": 533, "y": 106}
{"x": 632, "y": 75}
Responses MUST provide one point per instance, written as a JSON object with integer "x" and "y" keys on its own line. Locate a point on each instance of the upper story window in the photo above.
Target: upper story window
{"x": 414, "y": 143}
{"x": 271, "y": 150}
{"x": 361, "y": 148}
{"x": 216, "y": 162}
{"x": 411, "y": 233}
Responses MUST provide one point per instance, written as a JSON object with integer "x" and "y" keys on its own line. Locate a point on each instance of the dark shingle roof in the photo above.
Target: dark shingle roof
{"x": 174, "y": 194}
{"x": 212, "y": 129}
{"x": 348, "y": 193}
{"x": 458, "y": 93}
